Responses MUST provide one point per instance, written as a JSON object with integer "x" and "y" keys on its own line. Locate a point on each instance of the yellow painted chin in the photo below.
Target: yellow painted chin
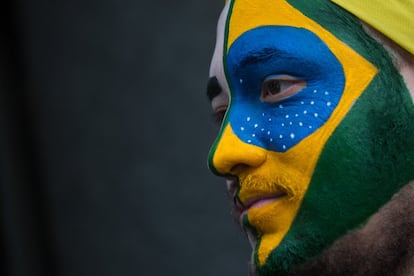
{"x": 274, "y": 220}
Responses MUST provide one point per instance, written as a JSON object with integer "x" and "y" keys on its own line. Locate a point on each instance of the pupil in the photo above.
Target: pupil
{"x": 274, "y": 87}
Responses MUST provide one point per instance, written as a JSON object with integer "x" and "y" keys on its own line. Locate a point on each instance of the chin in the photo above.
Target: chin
{"x": 295, "y": 250}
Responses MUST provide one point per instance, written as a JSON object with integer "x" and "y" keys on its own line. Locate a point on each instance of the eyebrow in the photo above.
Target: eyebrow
{"x": 261, "y": 56}
{"x": 213, "y": 88}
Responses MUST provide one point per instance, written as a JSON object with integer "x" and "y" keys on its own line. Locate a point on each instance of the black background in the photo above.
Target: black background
{"x": 104, "y": 132}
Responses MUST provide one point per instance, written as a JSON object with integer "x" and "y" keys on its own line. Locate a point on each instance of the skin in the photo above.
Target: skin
{"x": 282, "y": 177}
{"x": 384, "y": 246}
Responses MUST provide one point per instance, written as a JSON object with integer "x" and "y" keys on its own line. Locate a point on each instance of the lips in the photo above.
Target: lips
{"x": 241, "y": 208}
{"x": 263, "y": 199}
{"x": 258, "y": 202}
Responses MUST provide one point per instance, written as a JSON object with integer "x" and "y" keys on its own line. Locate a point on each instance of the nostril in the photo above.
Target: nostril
{"x": 236, "y": 169}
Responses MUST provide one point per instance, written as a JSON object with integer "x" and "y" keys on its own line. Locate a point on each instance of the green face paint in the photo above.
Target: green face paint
{"x": 329, "y": 180}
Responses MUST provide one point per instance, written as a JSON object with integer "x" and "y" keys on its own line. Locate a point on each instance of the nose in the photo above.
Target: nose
{"x": 229, "y": 152}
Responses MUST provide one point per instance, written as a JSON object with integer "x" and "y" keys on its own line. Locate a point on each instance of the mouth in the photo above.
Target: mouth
{"x": 257, "y": 202}
{"x": 240, "y": 209}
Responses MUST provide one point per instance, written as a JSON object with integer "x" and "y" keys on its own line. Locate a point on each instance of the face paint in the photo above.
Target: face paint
{"x": 271, "y": 51}
{"x": 317, "y": 163}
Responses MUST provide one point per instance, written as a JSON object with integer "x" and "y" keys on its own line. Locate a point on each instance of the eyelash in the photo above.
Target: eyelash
{"x": 286, "y": 86}
{"x": 284, "y": 83}
{"x": 218, "y": 116}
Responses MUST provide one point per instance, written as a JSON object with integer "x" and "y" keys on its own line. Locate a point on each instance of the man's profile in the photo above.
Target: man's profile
{"x": 316, "y": 104}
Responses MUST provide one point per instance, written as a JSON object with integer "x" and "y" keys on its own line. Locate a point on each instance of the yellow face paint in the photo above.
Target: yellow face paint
{"x": 286, "y": 172}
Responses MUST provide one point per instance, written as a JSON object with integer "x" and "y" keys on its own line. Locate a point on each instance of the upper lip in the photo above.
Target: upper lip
{"x": 251, "y": 201}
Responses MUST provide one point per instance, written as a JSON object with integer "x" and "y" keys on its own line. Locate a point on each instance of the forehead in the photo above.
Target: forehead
{"x": 244, "y": 15}
{"x": 241, "y": 16}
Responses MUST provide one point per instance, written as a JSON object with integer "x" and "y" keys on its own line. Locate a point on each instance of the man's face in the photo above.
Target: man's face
{"x": 317, "y": 125}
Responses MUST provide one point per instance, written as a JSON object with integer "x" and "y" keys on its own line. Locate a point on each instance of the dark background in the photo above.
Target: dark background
{"x": 104, "y": 133}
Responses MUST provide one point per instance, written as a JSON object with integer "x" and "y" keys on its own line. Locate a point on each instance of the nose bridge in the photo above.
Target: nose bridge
{"x": 230, "y": 151}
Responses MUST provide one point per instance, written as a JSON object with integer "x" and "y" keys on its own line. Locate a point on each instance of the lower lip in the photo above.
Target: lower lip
{"x": 258, "y": 204}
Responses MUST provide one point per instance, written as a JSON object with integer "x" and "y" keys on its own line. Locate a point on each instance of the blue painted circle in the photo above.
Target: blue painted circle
{"x": 281, "y": 50}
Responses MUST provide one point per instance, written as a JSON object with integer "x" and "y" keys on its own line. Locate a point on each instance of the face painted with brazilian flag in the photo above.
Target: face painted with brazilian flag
{"x": 318, "y": 125}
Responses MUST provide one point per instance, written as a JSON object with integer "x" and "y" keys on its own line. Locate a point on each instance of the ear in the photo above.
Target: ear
{"x": 407, "y": 71}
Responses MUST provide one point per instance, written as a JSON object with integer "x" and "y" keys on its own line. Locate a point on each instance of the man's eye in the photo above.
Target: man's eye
{"x": 277, "y": 88}
{"x": 272, "y": 87}
{"x": 219, "y": 104}
{"x": 218, "y": 115}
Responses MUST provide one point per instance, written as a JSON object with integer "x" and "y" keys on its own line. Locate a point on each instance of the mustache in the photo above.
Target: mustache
{"x": 272, "y": 183}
